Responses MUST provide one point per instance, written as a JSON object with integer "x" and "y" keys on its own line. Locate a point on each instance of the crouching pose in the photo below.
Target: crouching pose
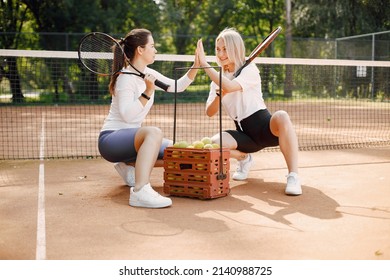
{"x": 242, "y": 99}
{"x": 122, "y": 139}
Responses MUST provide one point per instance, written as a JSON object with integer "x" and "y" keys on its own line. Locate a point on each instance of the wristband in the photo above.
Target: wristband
{"x": 145, "y": 96}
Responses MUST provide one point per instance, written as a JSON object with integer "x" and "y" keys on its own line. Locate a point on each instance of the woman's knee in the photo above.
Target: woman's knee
{"x": 155, "y": 133}
{"x": 280, "y": 121}
{"x": 281, "y": 116}
{"x": 227, "y": 140}
{"x": 149, "y": 133}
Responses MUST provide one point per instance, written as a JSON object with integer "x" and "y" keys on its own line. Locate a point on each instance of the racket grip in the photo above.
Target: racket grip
{"x": 161, "y": 85}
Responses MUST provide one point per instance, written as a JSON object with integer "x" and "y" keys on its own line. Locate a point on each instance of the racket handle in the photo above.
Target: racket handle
{"x": 161, "y": 85}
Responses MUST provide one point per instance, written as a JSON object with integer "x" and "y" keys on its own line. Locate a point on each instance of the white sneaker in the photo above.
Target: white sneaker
{"x": 293, "y": 185}
{"x": 243, "y": 168}
{"x": 127, "y": 173}
{"x": 148, "y": 198}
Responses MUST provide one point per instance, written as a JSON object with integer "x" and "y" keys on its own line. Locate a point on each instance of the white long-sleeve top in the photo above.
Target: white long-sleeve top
{"x": 126, "y": 110}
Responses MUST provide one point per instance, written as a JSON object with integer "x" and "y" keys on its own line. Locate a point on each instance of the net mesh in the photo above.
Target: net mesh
{"x": 332, "y": 104}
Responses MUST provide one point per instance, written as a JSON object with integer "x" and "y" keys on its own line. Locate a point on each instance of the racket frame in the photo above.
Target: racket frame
{"x": 86, "y": 65}
{"x": 260, "y": 48}
{"x": 117, "y": 45}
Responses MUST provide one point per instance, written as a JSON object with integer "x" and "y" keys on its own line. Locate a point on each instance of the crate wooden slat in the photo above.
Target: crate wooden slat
{"x": 196, "y": 172}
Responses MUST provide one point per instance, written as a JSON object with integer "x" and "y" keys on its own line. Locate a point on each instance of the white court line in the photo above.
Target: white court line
{"x": 41, "y": 220}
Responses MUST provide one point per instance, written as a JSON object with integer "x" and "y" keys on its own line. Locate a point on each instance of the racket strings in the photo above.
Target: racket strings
{"x": 97, "y": 53}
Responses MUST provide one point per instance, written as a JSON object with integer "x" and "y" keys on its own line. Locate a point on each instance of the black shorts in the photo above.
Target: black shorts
{"x": 255, "y": 133}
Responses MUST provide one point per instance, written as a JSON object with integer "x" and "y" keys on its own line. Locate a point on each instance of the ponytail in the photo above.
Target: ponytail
{"x": 133, "y": 40}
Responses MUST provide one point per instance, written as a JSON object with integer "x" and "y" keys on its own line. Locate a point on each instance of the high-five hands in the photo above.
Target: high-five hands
{"x": 201, "y": 56}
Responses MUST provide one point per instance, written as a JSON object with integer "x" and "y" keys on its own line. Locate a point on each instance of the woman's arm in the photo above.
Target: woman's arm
{"x": 183, "y": 82}
{"x": 126, "y": 92}
{"x": 212, "y": 103}
{"x": 212, "y": 107}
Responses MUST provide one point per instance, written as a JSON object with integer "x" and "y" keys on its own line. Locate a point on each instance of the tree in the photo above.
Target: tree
{"x": 73, "y": 17}
{"x": 114, "y": 17}
{"x": 335, "y": 18}
{"x": 177, "y": 24}
{"x": 14, "y": 16}
{"x": 179, "y": 18}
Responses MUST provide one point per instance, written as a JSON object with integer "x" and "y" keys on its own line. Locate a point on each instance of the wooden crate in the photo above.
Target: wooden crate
{"x": 196, "y": 172}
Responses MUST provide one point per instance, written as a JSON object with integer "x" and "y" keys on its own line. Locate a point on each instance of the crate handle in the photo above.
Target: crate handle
{"x": 184, "y": 166}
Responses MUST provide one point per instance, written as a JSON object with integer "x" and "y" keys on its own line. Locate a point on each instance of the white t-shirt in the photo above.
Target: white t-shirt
{"x": 241, "y": 104}
{"x": 126, "y": 110}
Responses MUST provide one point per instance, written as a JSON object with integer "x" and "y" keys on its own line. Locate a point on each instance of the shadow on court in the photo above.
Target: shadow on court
{"x": 344, "y": 212}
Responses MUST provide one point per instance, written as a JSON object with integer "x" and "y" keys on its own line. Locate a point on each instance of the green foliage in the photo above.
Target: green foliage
{"x": 176, "y": 26}
{"x": 335, "y": 18}
{"x": 178, "y": 23}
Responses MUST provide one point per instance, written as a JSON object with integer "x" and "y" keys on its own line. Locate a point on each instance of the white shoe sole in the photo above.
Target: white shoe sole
{"x": 293, "y": 191}
{"x": 155, "y": 200}
{"x": 147, "y": 205}
{"x": 239, "y": 177}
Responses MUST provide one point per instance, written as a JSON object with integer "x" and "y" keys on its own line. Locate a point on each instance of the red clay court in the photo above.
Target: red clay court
{"x": 343, "y": 214}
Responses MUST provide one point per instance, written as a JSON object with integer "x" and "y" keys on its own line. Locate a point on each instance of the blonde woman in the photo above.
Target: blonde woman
{"x": 122, "y": 139}
{"x": 242, "y": 99}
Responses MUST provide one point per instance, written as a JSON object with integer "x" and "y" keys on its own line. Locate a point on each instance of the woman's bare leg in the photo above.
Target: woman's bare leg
{"x": 282, "y": 127}
{"x": 147, "y": 144}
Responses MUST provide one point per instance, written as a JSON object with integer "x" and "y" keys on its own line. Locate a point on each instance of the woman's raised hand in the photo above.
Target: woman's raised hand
{"x": 200, "y": 54}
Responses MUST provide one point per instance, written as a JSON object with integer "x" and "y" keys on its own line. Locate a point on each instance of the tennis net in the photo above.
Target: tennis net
{"x": 51, "y": 107}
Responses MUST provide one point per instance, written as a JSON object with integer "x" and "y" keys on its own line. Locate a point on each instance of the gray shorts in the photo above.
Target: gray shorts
{"x": 118, "y": 145}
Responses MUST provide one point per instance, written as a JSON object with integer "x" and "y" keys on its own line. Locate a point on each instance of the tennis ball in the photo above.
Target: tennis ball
{"x": 198, "y": 144}
{"x": 206, "y": 140}
{"x": 180, "y": 144}
{"x": 208, "y": 146}
{"x": 176, "y": 145}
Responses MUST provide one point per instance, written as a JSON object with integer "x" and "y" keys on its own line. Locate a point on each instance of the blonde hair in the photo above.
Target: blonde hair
{"x": 235, "y": 47}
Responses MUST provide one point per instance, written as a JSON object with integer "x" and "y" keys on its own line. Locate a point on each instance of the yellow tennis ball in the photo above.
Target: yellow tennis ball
{"x": 206, "y": 140}
{"x": 198, "y": 144}
{"x": 180, "y": 144}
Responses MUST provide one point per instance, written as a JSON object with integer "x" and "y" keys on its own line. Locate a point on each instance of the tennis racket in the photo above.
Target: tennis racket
{"x": 259, "y": 49}
{"x": 96, "y": 53}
